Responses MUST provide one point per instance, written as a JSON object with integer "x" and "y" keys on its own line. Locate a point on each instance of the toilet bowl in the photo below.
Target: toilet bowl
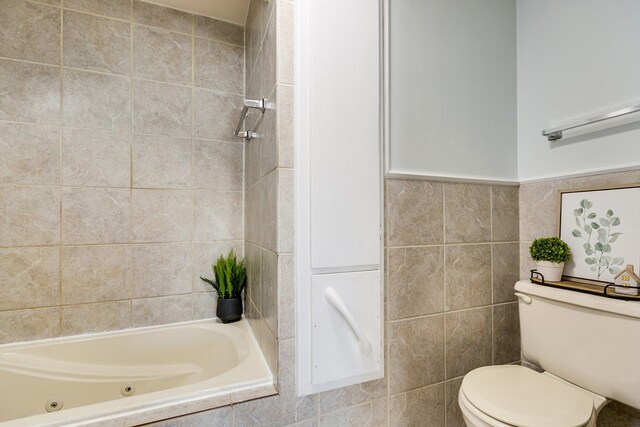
{"x": 511, "y": 395}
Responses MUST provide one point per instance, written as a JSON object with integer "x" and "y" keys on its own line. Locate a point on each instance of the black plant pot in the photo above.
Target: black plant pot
{"x": 229, "y": 309}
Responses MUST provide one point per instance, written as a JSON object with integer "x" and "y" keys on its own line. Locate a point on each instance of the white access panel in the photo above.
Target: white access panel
{"x": 339, "y": 183}
{"x": 345, "y": 133}
{"x": 347, "y": 343}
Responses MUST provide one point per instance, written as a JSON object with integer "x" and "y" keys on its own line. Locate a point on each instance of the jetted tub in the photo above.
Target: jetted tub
{"x": 132, "y": 376}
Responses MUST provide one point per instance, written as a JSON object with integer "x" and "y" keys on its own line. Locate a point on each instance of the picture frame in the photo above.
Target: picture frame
{"x": 602, "y": 228}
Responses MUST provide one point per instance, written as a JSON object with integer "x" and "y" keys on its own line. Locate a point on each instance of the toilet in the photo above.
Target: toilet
{"x": 589, "y": 349}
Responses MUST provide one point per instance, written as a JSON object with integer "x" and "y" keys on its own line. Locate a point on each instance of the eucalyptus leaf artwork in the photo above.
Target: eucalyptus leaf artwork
{"x": 599, "y": 235}
{"x": 602, "y": 229}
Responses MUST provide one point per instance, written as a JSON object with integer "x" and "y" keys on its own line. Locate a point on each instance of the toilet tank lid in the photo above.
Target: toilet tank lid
{"x": 522, "y": 397}
{"x": 595, "y": 302}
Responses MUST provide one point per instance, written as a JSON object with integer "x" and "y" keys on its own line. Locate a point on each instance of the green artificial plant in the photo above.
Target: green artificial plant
{"x": 230, "y": 276}
{"x": 550, "y": 249}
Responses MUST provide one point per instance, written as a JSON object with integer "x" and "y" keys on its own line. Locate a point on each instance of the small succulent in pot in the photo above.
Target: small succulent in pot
{"x": 550, "y": 253}
{"x": 230, "y": 278}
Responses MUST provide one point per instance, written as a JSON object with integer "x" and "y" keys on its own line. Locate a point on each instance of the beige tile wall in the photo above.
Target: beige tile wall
{"x": 120, "y": 180}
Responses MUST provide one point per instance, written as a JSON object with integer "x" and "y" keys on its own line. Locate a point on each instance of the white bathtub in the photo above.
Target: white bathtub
{"x": 166, "y": 371}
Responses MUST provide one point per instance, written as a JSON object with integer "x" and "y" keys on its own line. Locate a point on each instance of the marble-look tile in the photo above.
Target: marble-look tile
{"x": 269, "y": 57}
{"x": 287, "y": 296}
{"x": 468, "y": 340}
{"x": 219, "y": 66}
{"x": 607, "y": 180}
{"x": 161, "y": 269}
{"x": 506, "y": 271}
{"x": 217, "y": 215}
{"x": 51, "y": 2}
{"x": 617, "y": 414}
{"x": 415, "y": 281}
{"x": 204, "y": 305}
{"x": 163, "y": 17}
{"x": 205, "y": 254}
{"x": 95, "y": 273}
{"x": 219, "y": 417}
{"x": 286, "y": 210}
{"x": 253, "y": 289}
{"x": 219, "y": 30}
{"x": 30, "y": 216}
{"x": 526, "y": 262}
{"x": 285, "y": 43}
{"x": 285, "y": 126}
{"x": 265, "y": 212}
{"x": 454, "y": 414}
{"x": 414, "y": 212}
{"x": 161, "y": 162}
{"x": 266, "y": 157}
{"x": 160, "y": 215}
{"x": 416, "y": 353}
{"x": 95, "y": 215}
{"x": 30, "y": 92}
{"x": 371, "y": 414}
{"x": 422, "y": 407}
{"x": 30, "y": 32}
{"x": 284, "y": 409}
{"x": 505, "y": 214}
{"x": 506, "y": 333}
{"x": 467, "y": 213}
{"x": 92, "y": 157}
{"x": 161, "y": 55}
{"x": 356, "y": 394}
{"x": 253, "y": 30}
{"x": 216, "y": 115}
{"x": 95, "y": 43}
{"x": 97, "y": 100}
{"x": 468, "y": 276}
{"x": 161, "y": 310}
{"x": 539, "y": 209}
{"x": 217, "y": 165}
{"x": 28, "y": 325}
{"x": 29, "y": 277}
{"x": 162, "y": 109}
{"x": 120, "y": 9}
{"x": 29, "y": 154}
{"x": 269, "y": 277}
{"x": 99, "y": 317}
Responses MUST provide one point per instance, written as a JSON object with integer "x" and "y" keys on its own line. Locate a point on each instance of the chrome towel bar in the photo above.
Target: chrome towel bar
{"x": 554, "y": 134}
{"x": 258, "y": 104}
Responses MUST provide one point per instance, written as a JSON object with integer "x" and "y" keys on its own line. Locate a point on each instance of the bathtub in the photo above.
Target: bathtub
{"x": 130, "y": 377}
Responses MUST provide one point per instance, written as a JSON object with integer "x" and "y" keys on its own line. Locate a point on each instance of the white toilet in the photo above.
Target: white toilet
{"x": 589, "y": 347}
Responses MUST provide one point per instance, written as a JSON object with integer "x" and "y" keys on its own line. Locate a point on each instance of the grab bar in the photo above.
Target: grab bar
{"x": 258, "y": 104}
{"x": 554, "y": 134}
{"x": 336, "y": 302}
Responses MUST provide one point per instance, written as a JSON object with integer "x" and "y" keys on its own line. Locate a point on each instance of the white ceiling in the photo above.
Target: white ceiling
{"x": 234, "y": 11}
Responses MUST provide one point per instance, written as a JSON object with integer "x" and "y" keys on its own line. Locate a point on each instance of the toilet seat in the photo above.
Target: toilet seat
{"x": 519, "y": 396}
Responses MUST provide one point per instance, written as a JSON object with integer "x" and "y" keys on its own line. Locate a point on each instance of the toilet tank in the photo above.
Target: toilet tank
{"x": 588, "y": 340}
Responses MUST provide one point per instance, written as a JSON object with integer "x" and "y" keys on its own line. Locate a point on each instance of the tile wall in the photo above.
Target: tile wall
{"x": 120, "y": 179}
{"x": 452, "y": 260}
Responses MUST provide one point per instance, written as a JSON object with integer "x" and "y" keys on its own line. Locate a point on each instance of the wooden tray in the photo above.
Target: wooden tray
{"x": 608, "y": 291}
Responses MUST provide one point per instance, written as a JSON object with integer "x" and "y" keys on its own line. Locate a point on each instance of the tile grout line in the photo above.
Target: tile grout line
{"x": 61, "y": 166}
{"x": 193, "y": 171}
{"x": 132, "y": 62}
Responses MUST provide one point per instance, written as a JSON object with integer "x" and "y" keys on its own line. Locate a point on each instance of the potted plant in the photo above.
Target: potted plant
{"x": 230, "y": 277}
{"x": 550, "y": 253}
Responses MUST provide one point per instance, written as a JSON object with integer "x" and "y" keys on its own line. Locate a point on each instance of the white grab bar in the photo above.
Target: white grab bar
{"x": 336, "y": 302}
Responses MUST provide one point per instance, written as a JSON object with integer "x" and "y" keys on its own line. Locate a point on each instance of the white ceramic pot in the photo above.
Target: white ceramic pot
{"x": 552, "y": 271}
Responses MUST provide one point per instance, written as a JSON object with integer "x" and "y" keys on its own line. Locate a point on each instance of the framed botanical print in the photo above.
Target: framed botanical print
{"x": 602, "y": 228}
